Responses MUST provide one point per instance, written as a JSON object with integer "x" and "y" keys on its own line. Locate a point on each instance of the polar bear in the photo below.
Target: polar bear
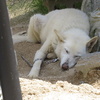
{"x": 64, "y": 32}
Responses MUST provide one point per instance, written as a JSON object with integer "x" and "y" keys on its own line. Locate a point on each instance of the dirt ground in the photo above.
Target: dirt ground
{"x": 53, "y": 83}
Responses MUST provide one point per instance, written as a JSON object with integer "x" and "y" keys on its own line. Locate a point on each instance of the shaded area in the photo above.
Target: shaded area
{"x": 23, "y": 19}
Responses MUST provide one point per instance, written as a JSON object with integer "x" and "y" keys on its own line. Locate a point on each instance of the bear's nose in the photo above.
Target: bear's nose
{"x": 65, "y": 66}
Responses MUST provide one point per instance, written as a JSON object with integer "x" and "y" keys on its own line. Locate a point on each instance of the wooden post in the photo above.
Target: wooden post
{"x": 8, "y": 72}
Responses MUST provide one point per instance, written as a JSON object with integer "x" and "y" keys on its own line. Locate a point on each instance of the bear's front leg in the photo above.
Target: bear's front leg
{"x": 38, "y": 59}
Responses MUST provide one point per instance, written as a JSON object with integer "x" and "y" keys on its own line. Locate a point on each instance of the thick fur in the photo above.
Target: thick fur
{"x": 63, "y": 32}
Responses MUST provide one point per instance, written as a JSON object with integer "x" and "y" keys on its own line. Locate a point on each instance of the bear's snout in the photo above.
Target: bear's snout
{"x": 65, "y": 66}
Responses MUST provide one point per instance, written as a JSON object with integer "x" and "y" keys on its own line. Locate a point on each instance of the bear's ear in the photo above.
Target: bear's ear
{"x": 90, "y": 44}
{"x": 59, "y": 36}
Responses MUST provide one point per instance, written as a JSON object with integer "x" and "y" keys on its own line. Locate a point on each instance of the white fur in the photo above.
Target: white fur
{"x": 59, "y": 31}
{"x": 19, "y": 37}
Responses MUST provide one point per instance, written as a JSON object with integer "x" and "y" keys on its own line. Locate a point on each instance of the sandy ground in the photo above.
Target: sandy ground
{"x": 53, "y": 83}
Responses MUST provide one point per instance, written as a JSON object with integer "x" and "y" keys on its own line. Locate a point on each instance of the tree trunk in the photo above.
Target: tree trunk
{"x": 92, "y": 8}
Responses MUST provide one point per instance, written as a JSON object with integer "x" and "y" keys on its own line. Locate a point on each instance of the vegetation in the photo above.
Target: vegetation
{"x": 21, "y": 10}
{"x": 38, "y": 6}
{"x": 17, "y": 7}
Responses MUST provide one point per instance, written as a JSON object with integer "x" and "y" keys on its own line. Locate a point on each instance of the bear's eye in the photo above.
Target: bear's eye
{"x": 66, "y": 51}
